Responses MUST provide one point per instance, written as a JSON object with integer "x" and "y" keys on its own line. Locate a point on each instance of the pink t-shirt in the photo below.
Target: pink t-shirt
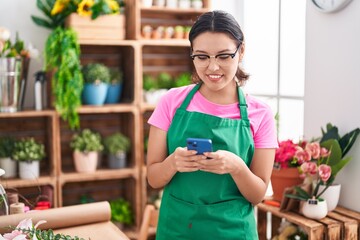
{"x": 262, "y": 122}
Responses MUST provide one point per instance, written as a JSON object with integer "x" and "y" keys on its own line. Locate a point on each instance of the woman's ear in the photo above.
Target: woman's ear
{"x": 241, "y": 51}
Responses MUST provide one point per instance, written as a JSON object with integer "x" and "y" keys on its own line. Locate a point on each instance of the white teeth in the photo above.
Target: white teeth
{"x": 215, "y": 76}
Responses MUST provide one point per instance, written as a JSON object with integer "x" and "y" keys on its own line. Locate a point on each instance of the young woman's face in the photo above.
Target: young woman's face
{"x": 216, "y": 72}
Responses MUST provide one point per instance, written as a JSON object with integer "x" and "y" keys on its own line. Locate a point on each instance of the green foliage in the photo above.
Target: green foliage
{"x": 93, "y": 72}
{"x": 339, "y": 147}
{"x": 46, "y": 234}
{"x": 121, "y": 211}
{"x": 13, "y": 50}
{"x": 62, "y": 55}
{"x": 53, "y": 21}
{"x": 302, "y": 195}
{"x": 86, "y": 141}
{"x": 116, "y": 76}
{"x": 149, "y": 82}
{"x": 27, "y": 149}
{"x": 7, "y": 145}
{"x": 165, "y": 80}
{"x": 183, "y": 79}
{"x": 117, "y": 142}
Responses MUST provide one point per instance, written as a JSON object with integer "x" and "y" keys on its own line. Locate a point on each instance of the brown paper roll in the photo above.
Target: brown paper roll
{"x": 16, "y": 208}
{"x": 62, "y": 217}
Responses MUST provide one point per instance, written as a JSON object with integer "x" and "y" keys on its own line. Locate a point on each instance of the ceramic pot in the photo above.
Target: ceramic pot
{"x": 85, "y": 162}
{"x": 113, "y": 93}
{"x": 117, "y": 160}
{"x": 314, "y": 209}
{"x": 9, "y": 166}
{"x": 94, "y": 94}
{"x": 29, "y": 169}
{"x": 284, "y": 178}
{"x": 331, "y": 195}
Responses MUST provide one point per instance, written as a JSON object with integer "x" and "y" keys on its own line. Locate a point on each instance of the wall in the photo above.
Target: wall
{"x": 332, "y": 84}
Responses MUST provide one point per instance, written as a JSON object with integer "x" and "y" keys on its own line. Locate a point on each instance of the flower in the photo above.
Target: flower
{"x": 7, "y": 49}
{"x": 320, "y": 161}
{"x": 26, "y": 231}
{"x": 284, "y": 156}
{"x": 56, "y": 11}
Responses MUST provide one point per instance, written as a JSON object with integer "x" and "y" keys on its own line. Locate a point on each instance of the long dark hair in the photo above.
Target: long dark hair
{"x": 219, "y": 21}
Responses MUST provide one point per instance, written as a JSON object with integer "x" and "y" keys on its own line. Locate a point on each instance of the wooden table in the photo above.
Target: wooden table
{"x": 341, "y": 223}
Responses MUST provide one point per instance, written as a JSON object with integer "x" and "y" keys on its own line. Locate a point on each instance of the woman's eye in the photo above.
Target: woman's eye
{"x": 224, "y": 56}
{"x": 202, "y": 57}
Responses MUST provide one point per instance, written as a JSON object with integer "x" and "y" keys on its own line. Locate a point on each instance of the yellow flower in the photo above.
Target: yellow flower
{"x": 113, "y": 5}
{"x": 59, "y": 6}
{"x": 84, "y": 8}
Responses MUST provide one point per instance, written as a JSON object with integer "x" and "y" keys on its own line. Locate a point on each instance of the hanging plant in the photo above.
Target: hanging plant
{"x": 62, "y": 55}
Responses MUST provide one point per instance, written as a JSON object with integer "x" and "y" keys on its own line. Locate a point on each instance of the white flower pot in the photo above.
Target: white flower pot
{"x": 171, "y": 3}
{"x": 29, "y": 170}
{"x": 331, "y": 195}
{"x": 9, "y": 166}
{"x": 184, "y": 3}
{"x": 147, "y": 3}
{"x": 85, "y": 162}
{"x": 314, "y": 211}
{"x": 153, "y": 96}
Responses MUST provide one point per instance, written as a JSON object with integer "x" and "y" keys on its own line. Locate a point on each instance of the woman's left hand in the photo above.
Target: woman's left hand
{"x": 221, "y": 162}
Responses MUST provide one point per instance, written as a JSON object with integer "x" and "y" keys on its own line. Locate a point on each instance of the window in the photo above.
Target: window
{"x": 275, "y": 58}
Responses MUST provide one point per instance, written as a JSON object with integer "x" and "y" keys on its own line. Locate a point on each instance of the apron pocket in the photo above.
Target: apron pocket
{"x": 230, "y": 219}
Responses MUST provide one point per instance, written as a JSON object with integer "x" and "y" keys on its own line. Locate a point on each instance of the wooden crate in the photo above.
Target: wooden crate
{"x": 106, "y": 27}
{"x": 337, "y": 225}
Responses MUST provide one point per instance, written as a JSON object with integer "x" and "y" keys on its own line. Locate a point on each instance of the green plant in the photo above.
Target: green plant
{"x": 149, "y": 82}
{"x": 179, "y": 28}
{"x": 27, "y": 149}
{"x": 183, "y": 79}
{"x": 95, "y": 72}
{"x": 26, "y": 230}
{"x": 117, "y": 142}
{"x": 116, "y": 76}
{"x": 164, "y": 80}
{"x": 121, "y": 211}
{"x": 86, "y": 141}
{"x": 62, "y": 55}
{"x": 7, "y": 145}
{"x": 56, "y": 11}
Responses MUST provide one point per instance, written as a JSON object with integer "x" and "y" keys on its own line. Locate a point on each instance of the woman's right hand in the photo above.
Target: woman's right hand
{"x": 185, "y": 160}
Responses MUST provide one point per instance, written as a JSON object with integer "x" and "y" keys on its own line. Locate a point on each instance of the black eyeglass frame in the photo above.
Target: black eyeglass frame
{"x": 232, "y": 55}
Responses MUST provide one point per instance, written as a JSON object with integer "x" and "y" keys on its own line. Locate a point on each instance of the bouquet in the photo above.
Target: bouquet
{"x": 25, "y": 230}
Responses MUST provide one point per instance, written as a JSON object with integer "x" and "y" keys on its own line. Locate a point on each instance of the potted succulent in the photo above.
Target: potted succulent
{"x": 183, "y": 79}
{"x": 155, "y": 88}
{"x": 117, "y": 146}
{"x": 7, "y": 145}
{"x": 29, "y": 153}
{"x": 115, "y": 87}
{"x": 187, "y": 32}
{"x": 86, "y": 146}
{"x": 179, "y": 32}
{"x": 121, "y": 212}
{"x": 96, "y": 83}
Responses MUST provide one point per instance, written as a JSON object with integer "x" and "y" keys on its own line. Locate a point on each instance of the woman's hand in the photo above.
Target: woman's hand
{"x": 221, "y": 162}
{"x": 186, "y": 160}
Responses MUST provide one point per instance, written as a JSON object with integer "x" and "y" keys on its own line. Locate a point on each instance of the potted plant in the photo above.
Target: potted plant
{"x": 96, "y": 79}
{"x": 121, "y": 212}
{"x": 117, "y": 146}
{"x": 183, "y": 79}
{"x": 29, "y": 153}
{"x": 115, "y": 87}
{"x": 187, "y": 32}
{"x": 86, "y": 146}
{"x": 155, "y": 88}
{"x": 7, "y": 145}
{"x": 179, "y": 32}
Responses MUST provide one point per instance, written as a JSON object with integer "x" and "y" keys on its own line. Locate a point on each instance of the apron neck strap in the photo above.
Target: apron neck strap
{"x": 242, "y": 104}
{"x": 242, "y": 101}
{"x": 188, "y": 98}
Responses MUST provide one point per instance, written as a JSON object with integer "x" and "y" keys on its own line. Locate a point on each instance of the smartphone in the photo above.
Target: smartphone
{"x": 200, "y": 145}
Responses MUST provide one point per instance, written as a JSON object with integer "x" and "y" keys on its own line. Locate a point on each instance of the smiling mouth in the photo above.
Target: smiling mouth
{"x": 214, "y": 77}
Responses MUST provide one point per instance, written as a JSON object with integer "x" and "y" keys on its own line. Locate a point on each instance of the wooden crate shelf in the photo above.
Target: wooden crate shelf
{"x": 340, "y": 224}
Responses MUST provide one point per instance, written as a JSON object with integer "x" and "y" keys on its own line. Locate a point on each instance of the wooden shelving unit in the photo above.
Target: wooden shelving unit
{"x": 134, "y": 56}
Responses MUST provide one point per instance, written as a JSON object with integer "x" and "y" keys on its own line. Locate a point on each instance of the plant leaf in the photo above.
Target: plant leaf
{"x": 331, "y": 133}
{"x": 41, "y": 22}
{"x": 336, "y": 154}
{"x": 348, "y": 140}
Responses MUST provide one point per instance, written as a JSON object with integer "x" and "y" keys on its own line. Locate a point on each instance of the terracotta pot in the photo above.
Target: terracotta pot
{"x": 284, "y": 178}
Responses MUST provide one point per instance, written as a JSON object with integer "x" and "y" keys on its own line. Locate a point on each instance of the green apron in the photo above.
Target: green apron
{"x": 201, "y": 205}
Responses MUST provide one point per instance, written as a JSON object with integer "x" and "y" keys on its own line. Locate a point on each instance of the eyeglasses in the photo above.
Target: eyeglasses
{"x": 223, "y": 59}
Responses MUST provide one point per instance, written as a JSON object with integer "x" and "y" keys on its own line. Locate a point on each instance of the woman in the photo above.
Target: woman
{"x": 211, "y": 196}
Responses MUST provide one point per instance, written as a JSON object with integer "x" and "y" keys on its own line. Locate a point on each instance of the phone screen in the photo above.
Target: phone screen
{"x": 200, "y": 145}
